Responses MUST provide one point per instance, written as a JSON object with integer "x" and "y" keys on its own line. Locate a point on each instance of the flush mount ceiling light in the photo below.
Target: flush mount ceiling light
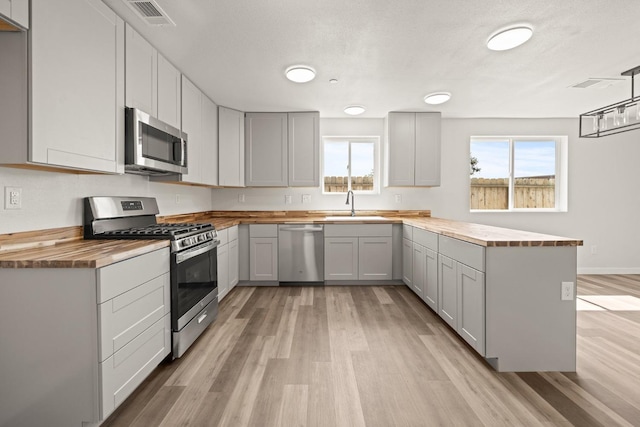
{"x": 354, "y": 110}
{"x": 300, "y": 73}
{"x": 620, "y": 117}
{"x": 437, "y": 98}
{"x": 510, "y": 38}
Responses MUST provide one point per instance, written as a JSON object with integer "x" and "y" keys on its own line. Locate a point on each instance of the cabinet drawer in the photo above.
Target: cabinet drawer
{"x": 126, "y": 316}
{"x": 223, "y": 236}
{"x": 116, "y": 279}
{"x": 426, "y": 238}
{"x": 233, "y": 233}
{"x": 128, "y": 367}
{"x": 263, "y": 230}
{"x": 407, "y": 232}
{"x": 464, "y": 252}
{"x": 358, "y": 230}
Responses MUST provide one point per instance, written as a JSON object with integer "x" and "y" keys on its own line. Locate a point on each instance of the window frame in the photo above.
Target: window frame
{"x": 561, "y": 170}
{"x": 351, "y": 140}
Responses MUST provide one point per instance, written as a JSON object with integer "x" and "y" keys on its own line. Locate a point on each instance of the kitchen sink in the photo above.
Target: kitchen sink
{"x": 356, "y": 218}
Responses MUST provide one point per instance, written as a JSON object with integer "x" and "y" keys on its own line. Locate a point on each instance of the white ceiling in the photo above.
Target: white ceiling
{"x": 387, "y": 55}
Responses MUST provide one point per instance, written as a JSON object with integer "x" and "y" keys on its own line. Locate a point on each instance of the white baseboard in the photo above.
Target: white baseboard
{"x": 614, "y": 270}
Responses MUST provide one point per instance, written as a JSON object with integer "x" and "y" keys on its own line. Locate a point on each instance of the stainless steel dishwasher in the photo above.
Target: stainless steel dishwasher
{"x": 300, "y": 253}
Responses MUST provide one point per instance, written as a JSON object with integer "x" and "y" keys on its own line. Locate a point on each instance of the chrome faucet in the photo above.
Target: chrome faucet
{"x": 353, "y": 206}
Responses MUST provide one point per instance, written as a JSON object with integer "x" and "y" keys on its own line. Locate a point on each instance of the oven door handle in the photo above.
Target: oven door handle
{"x": 198, "y": 250}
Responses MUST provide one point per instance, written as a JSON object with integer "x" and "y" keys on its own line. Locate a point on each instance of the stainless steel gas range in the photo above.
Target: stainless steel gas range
{"x": 194, "y": 282}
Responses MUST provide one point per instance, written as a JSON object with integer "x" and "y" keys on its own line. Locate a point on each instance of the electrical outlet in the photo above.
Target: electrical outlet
{"x": 594, "y": 249}
{"x": 177, "y": 199}
{"x": 306, "y": 198}
{"x": 240, "y": 198}
{"x": 12, "y": 198}
{"x": 287, "y": 199}
{"x": 567, "y": 291}
{"x": 398, "y": 198}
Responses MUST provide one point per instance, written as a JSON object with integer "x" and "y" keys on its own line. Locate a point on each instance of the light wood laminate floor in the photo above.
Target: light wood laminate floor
{"x": 377, "y": 356}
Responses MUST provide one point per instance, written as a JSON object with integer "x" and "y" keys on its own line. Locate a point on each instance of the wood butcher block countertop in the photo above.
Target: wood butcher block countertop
{"x": 65, "y": 248}
{"x": 79, "y": 253}
{"x": 484, "y": 235}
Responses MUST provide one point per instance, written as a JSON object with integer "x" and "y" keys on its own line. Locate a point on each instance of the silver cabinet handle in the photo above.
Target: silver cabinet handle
{"x": 314, "y": 229}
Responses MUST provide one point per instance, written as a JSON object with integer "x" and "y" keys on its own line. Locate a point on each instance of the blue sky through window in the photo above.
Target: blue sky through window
{"x": 531, "y": 158}
{"x": 336, "y": 158}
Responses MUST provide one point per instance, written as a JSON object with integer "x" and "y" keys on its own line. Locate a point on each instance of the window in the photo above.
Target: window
{"x": 350, "y": 163}
{"x": 518, "y": 173}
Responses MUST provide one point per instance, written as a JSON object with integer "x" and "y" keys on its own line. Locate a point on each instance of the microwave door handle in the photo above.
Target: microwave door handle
{"x": 183, "y": 152}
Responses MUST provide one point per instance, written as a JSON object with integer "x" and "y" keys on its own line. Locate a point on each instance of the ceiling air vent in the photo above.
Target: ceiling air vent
{"x": 597, "y": 83}
{"x": 150, "y": 12}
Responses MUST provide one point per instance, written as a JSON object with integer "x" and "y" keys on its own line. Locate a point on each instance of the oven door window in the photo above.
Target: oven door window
{"x": 196, "y": 278}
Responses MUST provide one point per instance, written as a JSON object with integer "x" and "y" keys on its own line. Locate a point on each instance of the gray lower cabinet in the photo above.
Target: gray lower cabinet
{"x": 430, "y": 289}
{"x": 341, "y": 258}
{"x": 228, "y": 268}
{"x": 89, "y": 338}
{"x": 358, "y": 252}
{"x": 407, "y": 262}
{"x": 263, "y": 252}
{"x": 461, "y": 290}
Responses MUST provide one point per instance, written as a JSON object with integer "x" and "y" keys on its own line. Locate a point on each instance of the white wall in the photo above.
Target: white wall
{"x": 52, "y": 200}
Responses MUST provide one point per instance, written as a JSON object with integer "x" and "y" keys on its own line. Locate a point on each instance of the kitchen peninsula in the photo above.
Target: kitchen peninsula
{"x": 499, "y": 289}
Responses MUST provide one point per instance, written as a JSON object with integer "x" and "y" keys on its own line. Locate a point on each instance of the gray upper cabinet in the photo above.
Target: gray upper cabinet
{"x": 209, "y": 133}
{"x": 282, "y": 149}
{"x": 304, "y": 149}
{"x": 152, "y": 83}
{"x": 200, "y": 122}
{"x": 230, "y": 147}
{"x": 192, "y": 125}
{"x": 169, "y": 88}
{"x": 16, "y": 12}
{"x": 141, "y": 73}
{"x": 413, "y": 149}
{"x": 61, "y": 114}
{"x": 266, "y": 149}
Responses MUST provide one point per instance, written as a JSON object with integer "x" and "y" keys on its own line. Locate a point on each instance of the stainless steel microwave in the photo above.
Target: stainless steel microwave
{"x": 153, "y": 147}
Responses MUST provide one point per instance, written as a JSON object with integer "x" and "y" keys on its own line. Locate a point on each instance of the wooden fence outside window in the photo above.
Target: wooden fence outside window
{"x": 493, "y": 193}
{"x": 340, "y": 184}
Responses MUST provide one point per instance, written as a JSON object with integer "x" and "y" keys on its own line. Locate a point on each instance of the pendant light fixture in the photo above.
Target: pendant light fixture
{"x": 620, "y": 117}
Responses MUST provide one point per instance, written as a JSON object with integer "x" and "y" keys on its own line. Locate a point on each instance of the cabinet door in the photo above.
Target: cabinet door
{"x": 263, "y": 259}
{"x": 20, "y": 12}
{"x": 471, "y": 306}
{"x": 407, "y": 262}
{"x": 141, "y": 73}
{"x": 448, "y": 290}
{"x": 430, "y": 289}
{"x": 419, "y": 269}
{"x": 209, "y": 129}
{"x": 223, "y": 271}
{"x": 427, "y": 154}
{"x": 266, "y": 150}
{"x": 304, "y": 149}
{"x": 341, "y": 258}
{"x": 191, "y": 124}
{"x": 169, "y": 100}
{"x": 5, "y": 8}
{"x": 234, "y": 271}
{"x": 75, "y": 86}
{"x": 375, "y": 258}
{"x": 401, "y": 149}
{"x": 230, "y": 147}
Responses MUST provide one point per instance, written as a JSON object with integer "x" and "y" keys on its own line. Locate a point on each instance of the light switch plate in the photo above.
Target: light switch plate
{"x": 306, "y": 198}
{"x": 287, "y": 199}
